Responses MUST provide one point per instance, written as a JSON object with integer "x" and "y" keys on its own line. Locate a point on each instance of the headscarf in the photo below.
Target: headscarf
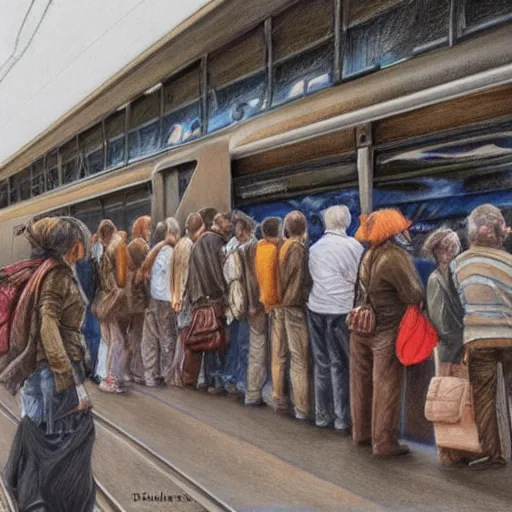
{"x": 383, "y": 225}
{"x": 443, "y": 240}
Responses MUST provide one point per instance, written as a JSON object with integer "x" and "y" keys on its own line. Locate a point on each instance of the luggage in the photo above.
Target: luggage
{"x": 206, "y": 332}
{"x": 449, "y": 406}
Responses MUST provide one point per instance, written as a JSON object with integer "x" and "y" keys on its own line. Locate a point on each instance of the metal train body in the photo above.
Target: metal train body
{"x": 274, "y": 105}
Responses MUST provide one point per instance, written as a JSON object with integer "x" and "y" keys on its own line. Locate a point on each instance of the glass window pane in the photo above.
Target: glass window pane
{"x": 4, "y": 194}
{"x": 25, "y": 184}
{"x": 237, "y": 80}
{"x": 144, "y": 134}
{"x": 303, "y": 74}
{"x": 185, "y": 173}
{"x": 69, "y": 158}
{"x": 91, "y": 145}
{"x": 52, "y": 170}
{"x": 38, "y": 181}
{"x": 115, "y": 125}
{"x": 386, "y": 32}
{"x": 89, "y": 212}
{"x": 478, "y": 14}
{"x": 137, "y": 204}
{"x": 113, "y": 206}
{"x": 182, "y": 125}
{"x": 182, "y": 89}
{"x": 301, "y": 26}
{"x": 15, "y": 182}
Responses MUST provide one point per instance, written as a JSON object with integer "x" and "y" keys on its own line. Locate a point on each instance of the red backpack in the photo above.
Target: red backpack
{"x": 13, "y": 280}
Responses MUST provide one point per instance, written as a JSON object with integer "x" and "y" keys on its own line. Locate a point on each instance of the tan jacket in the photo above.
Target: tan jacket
{"x": 294, "y": 278}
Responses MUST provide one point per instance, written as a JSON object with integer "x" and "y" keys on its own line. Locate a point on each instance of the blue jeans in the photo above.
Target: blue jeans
{"x": 43, "y": 405}
{"x": 331, "y": 354}
{"x": 92, "y": 336}
{"x": 235, "y": 366}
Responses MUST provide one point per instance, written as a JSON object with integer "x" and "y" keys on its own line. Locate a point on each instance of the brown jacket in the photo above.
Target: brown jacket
{"x": 294, "y": 277}
{"x": 387, "y": 272}
{"x": 247, "y": 254}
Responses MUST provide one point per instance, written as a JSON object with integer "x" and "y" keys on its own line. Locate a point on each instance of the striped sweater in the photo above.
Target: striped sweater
{"x": 483, "y": 277}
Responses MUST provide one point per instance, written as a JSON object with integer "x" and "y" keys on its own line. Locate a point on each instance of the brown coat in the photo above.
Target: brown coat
{"x": 393, "y": 283}
{"x": 137, "y": 292}
{"x": 294, "y": 277}
{"x": 247, "y": 254}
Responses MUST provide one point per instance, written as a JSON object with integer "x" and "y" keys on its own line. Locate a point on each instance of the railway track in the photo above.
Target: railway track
{"x": 185, "y": 494}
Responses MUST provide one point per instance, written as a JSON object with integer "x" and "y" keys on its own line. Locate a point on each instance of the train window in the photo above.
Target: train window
{"x": 89, "y": 212}
{"x": 69, "y": 158}
{"x": 302, "y": 39}
{"x": 14, "y": 188}
{"x": 237, "y": 80}
{"x": 38, "y": 185}
{"x": 4, "y": 194}
{"x": 182, "y": 110}
{"x": 137, "y": 204}
{"x": 185, "y": 173}
{"x": 25, "y": 184}
{"x": 144, "y": 129}
{"x": 52, "y": 170}
{"x": 479, "y": 14}
{"x": 385, "y": 32}
{"x": 115, "y": 128}
{"x": 92, "y": 149}
{"x": 113, "y": 209}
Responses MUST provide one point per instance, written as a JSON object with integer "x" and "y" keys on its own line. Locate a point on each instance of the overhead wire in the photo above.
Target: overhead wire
{"x": 2, "y": 78}
{"x": 18, "y": 35}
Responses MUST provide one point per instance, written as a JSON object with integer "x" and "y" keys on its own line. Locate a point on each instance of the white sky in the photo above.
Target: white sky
{"x": 79, "y": 45}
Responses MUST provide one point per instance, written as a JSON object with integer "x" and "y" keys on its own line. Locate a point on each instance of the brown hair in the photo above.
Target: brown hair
{"x": 295, "y": 224}
{"x": 193, "y": 223}
{"x": 106, "y": 231}
{"x": 140, "y": 227}
{"x": 271, "y": 227}
{"x": 208, "y": 214}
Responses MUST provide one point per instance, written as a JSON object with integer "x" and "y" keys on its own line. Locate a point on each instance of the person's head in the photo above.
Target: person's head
{"x": 208, "y": 215}
{"x": 222, "y": 224}
{"x": 194, "y": 226}
{"x": 296, "y": 225}
{"x": 243, "y": 229}
{"x": 141, "y": 228}
{"x": 387, "y": 224}
{"x": 62, "y": 238}
{"x": 106, "y": 231}
{"x": 442, "y": 245}
{"x": 337, "y": 218}
{"x": 173, "y": 230}
{"x": 123, "y": 235}
{"x": 159, "y": 234}
{"x": 271, "y": 228}
{"x": 137, "y": 251}
{"x": 487, "y": 227}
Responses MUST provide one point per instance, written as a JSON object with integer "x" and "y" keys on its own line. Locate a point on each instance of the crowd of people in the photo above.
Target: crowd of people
{"x": 253, "y": 311}
{"x": 245, "y": 309}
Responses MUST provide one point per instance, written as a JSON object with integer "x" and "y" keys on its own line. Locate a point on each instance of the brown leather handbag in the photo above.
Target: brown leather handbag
{"x": 362, "y": 319}
{"x": 206, "y": 332}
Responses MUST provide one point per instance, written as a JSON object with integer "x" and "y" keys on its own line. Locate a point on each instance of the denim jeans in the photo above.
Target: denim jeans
{"x": 331, "y": 355}
{"x": 235, "y": 366}
{"x": 43, "y": 405}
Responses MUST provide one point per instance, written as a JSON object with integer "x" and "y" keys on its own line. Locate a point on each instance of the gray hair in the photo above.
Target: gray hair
{"x": 486, "y": 226}
{"x": 173, "y": 227}
{"x": 337, "y": 217}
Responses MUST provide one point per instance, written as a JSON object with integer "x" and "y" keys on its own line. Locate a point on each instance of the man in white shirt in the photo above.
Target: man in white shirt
{"x": 333, "y": 264}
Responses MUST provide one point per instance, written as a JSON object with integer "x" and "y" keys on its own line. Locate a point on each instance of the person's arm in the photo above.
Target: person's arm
{"x": 53, "y": 292}
{"x": 436, "y": 305}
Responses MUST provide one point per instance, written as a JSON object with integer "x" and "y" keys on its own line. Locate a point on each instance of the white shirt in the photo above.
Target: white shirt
{"x": 333, "y": 264}
{"x": 161, "y": 275}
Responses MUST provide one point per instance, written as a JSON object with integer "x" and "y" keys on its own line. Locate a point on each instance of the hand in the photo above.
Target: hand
{"x": 84, "y": 401}
{"x": 177, "y": 307}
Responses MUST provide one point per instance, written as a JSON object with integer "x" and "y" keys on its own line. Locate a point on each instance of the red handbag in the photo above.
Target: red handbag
{"x": 206, "y": 332}
{"x": 416, "y": 338}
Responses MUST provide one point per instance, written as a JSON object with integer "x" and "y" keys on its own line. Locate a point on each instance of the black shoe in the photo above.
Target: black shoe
{"x": 95, "y": 379}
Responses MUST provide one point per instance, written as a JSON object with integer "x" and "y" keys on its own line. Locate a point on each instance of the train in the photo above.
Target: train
{"x": 277, "y": 105}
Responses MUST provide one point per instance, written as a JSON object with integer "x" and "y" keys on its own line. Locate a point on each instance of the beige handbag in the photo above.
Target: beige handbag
{"x": 449, "y": 406}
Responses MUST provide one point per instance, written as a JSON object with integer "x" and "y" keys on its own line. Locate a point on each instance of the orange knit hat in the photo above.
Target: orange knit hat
{"x": 384, "y": 224}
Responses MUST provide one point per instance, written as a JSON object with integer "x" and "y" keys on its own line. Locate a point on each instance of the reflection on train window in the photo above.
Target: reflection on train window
{"x": 69, "y": 158}
{"x": 237, "y": 80}
{"x": 114, "y": 127}
{"x": 92, "y": 149}
{"x": 480, "y": 14}
{"x": 4, "y": 194}
{"x": 144, "y": 128}
{"x": 25, "y": 184}
{"x": 182, "y": 111}
{"x": 52, "y": 170}
{"x": 302, "y": 40}
{"x": 14, "y": 188}
{"x": 385, "y": 32}
{"x": 38, "y": 186}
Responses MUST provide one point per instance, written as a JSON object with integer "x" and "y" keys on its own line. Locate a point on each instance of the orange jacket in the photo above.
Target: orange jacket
{"x": 266, "y": 271}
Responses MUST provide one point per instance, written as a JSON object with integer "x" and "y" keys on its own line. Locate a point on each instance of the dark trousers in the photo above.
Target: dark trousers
{"x": 331, "y": 355}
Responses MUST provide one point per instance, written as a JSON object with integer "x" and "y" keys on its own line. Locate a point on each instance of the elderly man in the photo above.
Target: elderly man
{"x": 483, "y": 277}
{"x": 333, "y": 264}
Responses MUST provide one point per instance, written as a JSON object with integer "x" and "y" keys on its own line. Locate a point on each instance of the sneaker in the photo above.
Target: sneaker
{"x": 151, "y": 383}
{"x": 127, "y": 379}
{"x": 300, "y": 416}
{"x": 108, "y": 385}
{"x": 322, "y": 424}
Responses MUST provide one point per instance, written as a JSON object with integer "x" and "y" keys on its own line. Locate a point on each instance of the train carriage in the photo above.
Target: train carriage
{"x": 275, "y": 105}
